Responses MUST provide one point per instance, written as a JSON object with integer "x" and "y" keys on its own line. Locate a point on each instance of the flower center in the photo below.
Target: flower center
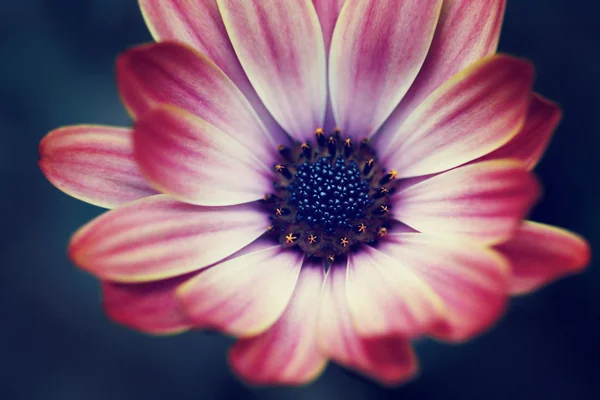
{"x": 330, "y": 196}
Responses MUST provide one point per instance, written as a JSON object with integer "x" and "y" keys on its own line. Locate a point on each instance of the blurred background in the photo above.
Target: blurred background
{"x": 55, "y": 343}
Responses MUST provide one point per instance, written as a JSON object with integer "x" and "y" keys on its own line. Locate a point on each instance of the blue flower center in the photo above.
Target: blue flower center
{"x": 329, "y": 197}
{"x": 329, "y": 194}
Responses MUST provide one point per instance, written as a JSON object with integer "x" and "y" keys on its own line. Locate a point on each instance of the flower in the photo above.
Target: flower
{"x": 324, "y": 180}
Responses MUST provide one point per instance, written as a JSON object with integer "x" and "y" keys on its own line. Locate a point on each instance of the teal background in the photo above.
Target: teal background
{"x": 55, "y": 343}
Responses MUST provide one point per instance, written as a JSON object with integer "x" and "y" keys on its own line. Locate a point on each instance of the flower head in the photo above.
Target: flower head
{"x": 324, "y": 180}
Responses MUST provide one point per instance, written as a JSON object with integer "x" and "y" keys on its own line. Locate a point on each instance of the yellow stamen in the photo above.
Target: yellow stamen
{"x": 289, "y": 239}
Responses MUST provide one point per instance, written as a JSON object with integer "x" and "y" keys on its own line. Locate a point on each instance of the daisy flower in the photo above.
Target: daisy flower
{"x": 323, "y": 180}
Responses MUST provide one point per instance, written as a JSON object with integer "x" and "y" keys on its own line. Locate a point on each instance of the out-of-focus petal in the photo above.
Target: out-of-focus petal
{"x": 467, "y": 31}
{"x": 386, "y": 298}
{"x": 157, "y": 238}
{"x": 246, "y": 293}
{"x": 287, "y": 353}
{"x": 150, "y": 307}
{"x": 389, "y": 360}
{"x": 531, "y": 141}
{"x": 94, "y": 164}
{"x": 280, "y": 46}
{"x": 469, "y": 279}
{"x": 540, "y": 254}
{"x": 198, "y": 23}
{"x": 377, "y": 49}
{"x": 474, "y": 113}
{"x": 193, "y": 161}
{"x": 175, "y": 74}
{"x": 485, "y": 201}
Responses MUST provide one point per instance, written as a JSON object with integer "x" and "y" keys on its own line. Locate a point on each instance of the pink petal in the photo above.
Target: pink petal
{"x": 467, "y": 31}
{"x": 150, "y": 307}
{"x": 385, "y": 298}
{"x": 245, "y": 294}
{"x": 474, "y": 113}
{"x": 485, "y": 202}
{"x": 386, "y": 359}
{"x": 198, "y": 23}
{"x": 328, "y": 12}
{"x": 280, "y": 46}
{"x": 193, "y": 161}
{"x": 94, "y": 164}
{"x": 469, "y": 279}
{"x": 157, "y": 238}
{"x": 531, "y": 141}
{"x": 287, "y": 353}
{"x": 377, "y": 49}
{"x": 171, "y": 73}
{"x": 540, "y": 254}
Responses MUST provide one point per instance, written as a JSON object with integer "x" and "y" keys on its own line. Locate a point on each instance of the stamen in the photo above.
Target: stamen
{"x": 388, "y": 177}
{"x": 362, "y": 228}
{"x": 332, "y": 146}
{"x": 368, "y": 166}
{"x": 305, "y": 150}
{"x": 285, "y": 152}
{"x": 320, "y": 134}
{"x": 382, "y": 231}
{"x": 312, "y": 239}
{"x": 283, "y": 170}
{"x": 344, "y": 241}
{"x": 348, "y": 147}
{"x": 289, "y": 239}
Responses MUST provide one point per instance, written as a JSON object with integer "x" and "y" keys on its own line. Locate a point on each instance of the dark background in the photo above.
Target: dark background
{"x": 55, "y": 343}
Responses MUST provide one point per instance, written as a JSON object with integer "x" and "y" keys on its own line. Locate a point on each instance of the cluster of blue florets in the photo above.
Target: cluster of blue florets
{"x": 329, "y": 195}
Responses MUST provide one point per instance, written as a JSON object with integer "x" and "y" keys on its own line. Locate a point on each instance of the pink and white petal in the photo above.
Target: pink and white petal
{"x": 195, "y": 162}
{"x": 484, "y": 202}
{"x": 389, "y": 360}
{"x": 246, "y": 293}
{"x": 172, "y": 73}
{"x": 198, "y": 23}
{"x": 93, "y": 163}
{"x": 280, "y": 46}
{"x": 385, "y": 298}
{"x": 287, "y": 353}
{"x": 531, "y": 141}
{"x": 377, "y": 49}
{"x": 158, "y": 238}
{"x": 471, "y": 115}
{"x": 540, "y": 254}
{"x": 466, "y": 32}
{"x": 469, "y": 279}
{"x": 328, "y": 12}
{"x": 150, "y": 307}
